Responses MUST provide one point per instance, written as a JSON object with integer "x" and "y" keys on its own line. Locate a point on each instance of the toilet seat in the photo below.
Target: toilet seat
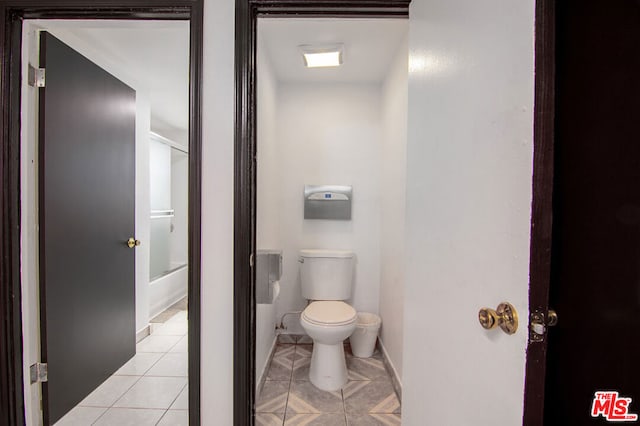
{"x": 329, "y": 313}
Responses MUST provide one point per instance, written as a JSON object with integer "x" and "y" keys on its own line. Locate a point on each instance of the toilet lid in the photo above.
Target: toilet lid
{"x": 329, "y": 312}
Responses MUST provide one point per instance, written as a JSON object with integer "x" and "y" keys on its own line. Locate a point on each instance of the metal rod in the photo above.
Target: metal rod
{"x": 169, "y": 142}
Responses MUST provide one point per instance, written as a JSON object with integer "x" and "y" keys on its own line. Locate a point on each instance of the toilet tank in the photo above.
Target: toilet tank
{"x": 326, "y": 274}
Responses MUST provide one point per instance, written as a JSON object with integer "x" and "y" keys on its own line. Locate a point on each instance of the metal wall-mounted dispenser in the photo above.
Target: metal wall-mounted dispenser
{"x": 327, "y": 202}
{"x": 268, "y": 272}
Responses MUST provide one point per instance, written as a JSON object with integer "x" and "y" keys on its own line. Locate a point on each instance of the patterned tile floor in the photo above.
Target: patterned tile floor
{"x": 150, "y": 389}
{"x": 289, "y": 398}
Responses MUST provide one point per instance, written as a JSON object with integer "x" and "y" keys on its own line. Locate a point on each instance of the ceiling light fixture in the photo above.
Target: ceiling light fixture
{"x": 322, "y": 56}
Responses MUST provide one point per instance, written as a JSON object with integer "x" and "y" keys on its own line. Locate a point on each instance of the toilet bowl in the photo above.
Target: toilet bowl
{"x": 328, "y": 323}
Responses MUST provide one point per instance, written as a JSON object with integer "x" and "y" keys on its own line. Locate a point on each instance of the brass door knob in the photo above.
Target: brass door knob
{"x": 488, "y": 318}
{"x": 132, "y": 242}
{"x": 505, "y": 317}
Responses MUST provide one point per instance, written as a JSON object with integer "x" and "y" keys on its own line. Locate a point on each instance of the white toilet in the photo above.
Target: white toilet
{"x": 327, "y": 280}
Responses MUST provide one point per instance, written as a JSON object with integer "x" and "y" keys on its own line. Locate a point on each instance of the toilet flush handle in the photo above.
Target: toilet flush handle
{"x": 301, "y": 260}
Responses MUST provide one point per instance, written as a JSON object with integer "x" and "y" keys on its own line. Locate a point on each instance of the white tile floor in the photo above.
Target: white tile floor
{"x": 150, "y": 389}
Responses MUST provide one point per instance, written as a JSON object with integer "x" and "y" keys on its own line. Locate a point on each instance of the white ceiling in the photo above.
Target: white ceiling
{"x": 153, "y": 54}
{"x": 369, "y": 47}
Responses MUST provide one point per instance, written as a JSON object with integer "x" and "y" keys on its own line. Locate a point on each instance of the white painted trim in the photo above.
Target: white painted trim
{"x": 146, "y": 331}
{"x": 263, "y": 372}
{"x": 397, "y": 382}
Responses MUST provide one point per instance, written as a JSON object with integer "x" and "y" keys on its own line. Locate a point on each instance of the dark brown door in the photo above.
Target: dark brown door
{"x": 87, "y": 190}
{"x": 595, "y": 282}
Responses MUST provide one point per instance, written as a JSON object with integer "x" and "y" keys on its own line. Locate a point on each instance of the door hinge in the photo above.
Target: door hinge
{"x": 38, "y": 372}
{"x": 36, "y": 76}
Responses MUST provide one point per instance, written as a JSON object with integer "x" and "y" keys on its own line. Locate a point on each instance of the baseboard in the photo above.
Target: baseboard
{"x": 143, "y": 333}
{"x": 263, "y": 374}
{"x": 395, "y": 378}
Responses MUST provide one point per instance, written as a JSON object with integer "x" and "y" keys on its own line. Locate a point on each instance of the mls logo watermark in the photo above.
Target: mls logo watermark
{"x": 612, "y": 407}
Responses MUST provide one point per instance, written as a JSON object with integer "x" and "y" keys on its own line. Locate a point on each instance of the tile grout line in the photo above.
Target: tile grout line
{"x": 172, "y": 402}
{"x": 344, "y": 406}
{"x": 154, "y": 364}
{"x": 178, "y": 396}
{"x": 181, "y": 390}
{"x": 139, "y": 378}
{"x": 286, "y": 405}
{"x": 162, "y": 416}
{"x": 118, "y": 398}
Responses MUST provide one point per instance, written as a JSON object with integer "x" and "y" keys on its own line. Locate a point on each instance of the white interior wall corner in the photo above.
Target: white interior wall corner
{"x": 392, "y": 205}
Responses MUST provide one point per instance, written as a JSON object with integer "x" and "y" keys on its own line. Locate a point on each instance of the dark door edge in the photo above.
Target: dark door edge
{"x": 12, "y": 14}
{"x": 541, "y": 212}
{"x": 247, "y": 12}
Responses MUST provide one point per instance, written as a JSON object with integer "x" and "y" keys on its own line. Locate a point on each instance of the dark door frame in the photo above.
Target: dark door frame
{"x": 541, "y": 210}
{"x": 247, "y": 13}
{"x": 12, "y": 14}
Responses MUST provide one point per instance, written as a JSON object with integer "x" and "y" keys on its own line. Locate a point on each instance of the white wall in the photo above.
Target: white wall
{"x": 217, "y": 213}
{"x": 268, "y": 178}
{"x": 392, "y": 206}
{"x": 328, "y": 133}
{"x": 469, "y": 174}
{"x": 143, "y": 209}
{"x": 268, "y": 220}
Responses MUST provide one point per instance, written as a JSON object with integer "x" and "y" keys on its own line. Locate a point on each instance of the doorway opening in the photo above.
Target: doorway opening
{"x": 145, "y": 316}
{"x": 109, "y": 334}
{"x": 246, "y": 381}
{"x": 338, "y": 132}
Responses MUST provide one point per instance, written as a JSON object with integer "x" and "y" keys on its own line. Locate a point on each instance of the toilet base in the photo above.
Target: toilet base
{"x": 328, "y": 369}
